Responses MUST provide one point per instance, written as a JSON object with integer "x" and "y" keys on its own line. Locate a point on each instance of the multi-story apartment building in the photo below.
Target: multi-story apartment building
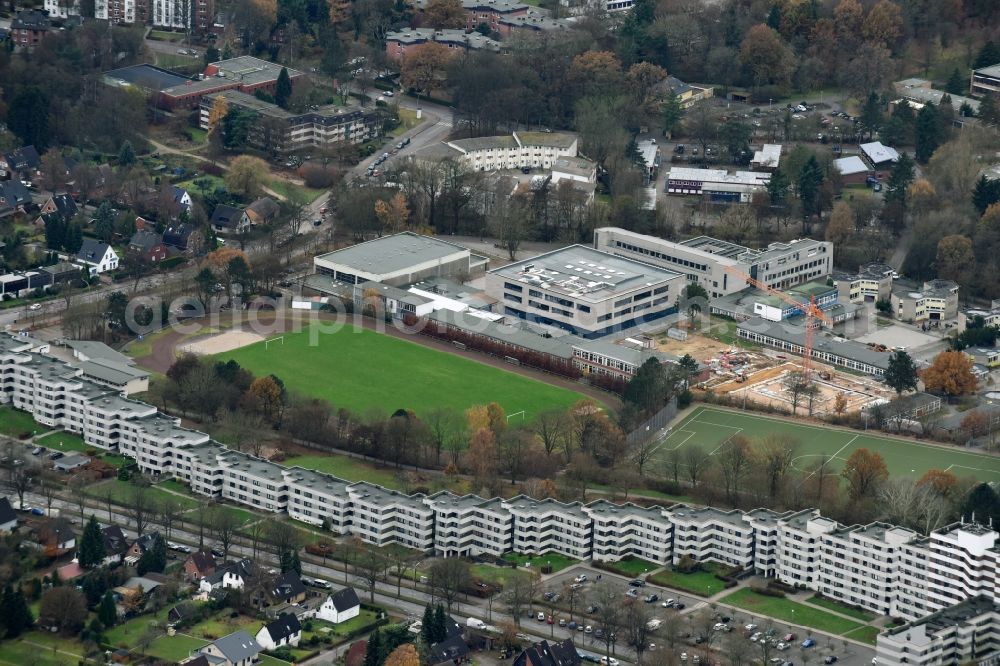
{"x": 966, "y": 633}
{"x": 470, "y": 525}
{"x": 549, "y": 526}
{"x": 706, "y": 534}
{"x": 872, "y": 282}
{"x": 986, "y": 80}
{"x": 318, "y": 499}
{"x": 859, "y": 564}
{"x": 935, "y": 300}
{"x": 195, "y": 15}
{"x": 381, "y": 516}
{"x": 627, "y": 530}
{"x": 709, "y": 261}
{"x": 276, "y": 130}
{"x": 798, "y": 545}
{"x": 252, "y": 481}
{"x": 520, "y": 150}
{"x": 584, "y": 291}
{"x": 766, "y": 534}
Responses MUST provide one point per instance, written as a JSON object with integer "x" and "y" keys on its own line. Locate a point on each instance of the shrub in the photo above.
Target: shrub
{"x": 768, "y": 591}
{"x": 317, "y": 176}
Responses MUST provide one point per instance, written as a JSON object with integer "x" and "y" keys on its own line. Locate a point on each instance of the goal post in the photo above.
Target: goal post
{"x": 280, "y": 339}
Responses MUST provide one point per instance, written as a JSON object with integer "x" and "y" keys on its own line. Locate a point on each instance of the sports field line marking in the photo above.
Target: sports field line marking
{"x": 976, "y": 469}
{"x": 872, "y": 434}
{"x": 723, "y": 442}
{"x": 690, "y": 434}
{"x": 717, "y": 425}
{"x": 833, "y": 457}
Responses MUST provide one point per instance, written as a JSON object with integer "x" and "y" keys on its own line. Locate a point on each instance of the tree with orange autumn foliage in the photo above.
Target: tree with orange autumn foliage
{"x": 865, "y": 472}
{"x": 940, "y": 481}
{"x": 950, "y": 373}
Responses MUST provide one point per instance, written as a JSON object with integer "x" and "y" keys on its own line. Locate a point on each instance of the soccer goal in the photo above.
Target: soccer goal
{"x": 280, "y": 340}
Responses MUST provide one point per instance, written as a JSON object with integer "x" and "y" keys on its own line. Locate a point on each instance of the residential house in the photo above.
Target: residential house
{"x": 183, "y": 237}
{"x": 14, "y": 196}
{"x": 453, "y": 648}
{"x": 340, "y": 606}
{"x": 56, "y": 536}
{"x": 182, "y": 198}
{"x": 72, "y": 462}
{"x": 64, "y": 271}
{"x": 20, "y": 164}
{"x": 879, "y": 156}
{"x": 263, "y": 211}
{"x": 97, "y": 256}
{"x": 544, "y": 653}
{"x": 237, "y": 649}
{"x": 286, "y": 630}
{"x": 29, "y": 28}
{"x": 233, "y": 575}
{"x": 287, "y": 588}
{"x": 199, "y": 564}
{"x": 197, "y": 660}
{"x": 8, "y": 519}
{"x": 229, "y": 220}
{"x": 116, "y": 545}
{"x": 148, "y": 245}
{"x": 140, "y": 547}
{"x": 62, "y": 205}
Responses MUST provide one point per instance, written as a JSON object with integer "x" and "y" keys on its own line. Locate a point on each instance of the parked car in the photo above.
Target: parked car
{"x": 37, "y": 511}
{"x": 582, "y": 578}
{"x": 37, "y": 451}
{"x": 750, "y": 627}
{"x": 632, "y": 593}
{"x": 593, "y": 609}
{"x": 562, "y": 622}
{"x": 609, "y": 661}
{"x": 588, "y": 629}
{"x": 788, "y": 638}
{"x": 548, "y": 595}
{"x": 783, "y": 646}
{"x": 571, "y": 626}
{"x": 756, "y": 637}
{"x": 637, "y": 583}
{"x": 669, "y": 603}
{"x": 550, "y": 620}
{"x": 808, "y": 643}
{"x": 830, "y": 659}
{"x": 540, "y": 617}
{"x": 651, "y": 598}
{"x": 55, "y": 455}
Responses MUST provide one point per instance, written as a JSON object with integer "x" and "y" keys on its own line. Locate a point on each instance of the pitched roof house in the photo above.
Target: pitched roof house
{"x": 8, "y": 519}
{"x": 340, "y": 606}
{"x": 22, "y": 163}
{"x": 287, "y": 588}
{"x": 229, "y": 220}
{"x": 233, "y": 575}
{"x": 182, "y": 198}
{"x": 263, "y": 211}
{"x": 180, "y": 237}
{"x": 286, "y": 630}
{"x": 56, "y": 535}
{"x": 181, "y": 611}
{"x": 237, "y": 649}
{"x": 544, "y": 653}
{"x": 116, "y": 544}
{"x": 148, "y": 245}
{"x": 140, "y": 546}
{"x": 62, "y": 205}
{"x": 13, "y": 195}
{"x": 199, "y": 564}
{"x": 98, "y": 256}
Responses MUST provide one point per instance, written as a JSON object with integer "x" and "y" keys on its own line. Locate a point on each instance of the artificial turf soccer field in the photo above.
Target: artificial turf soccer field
{"x": 359, "y": 369}
{"x": 709, "y": 427}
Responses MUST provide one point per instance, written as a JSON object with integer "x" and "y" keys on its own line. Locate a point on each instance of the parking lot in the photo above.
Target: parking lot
{"x": 700, "y": 630}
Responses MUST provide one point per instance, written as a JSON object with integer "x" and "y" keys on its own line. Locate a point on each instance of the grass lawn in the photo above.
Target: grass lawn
{"x": 407, "y": 121}
{"x": 125, "y": 634}
{"x": 359, "y": 369}
{"x": 268, "y": 660}
{"x": 212, "y": 183}
{"x": 242, "y": 516}
{"x": 222, "y": 625}
{"x": 288, "y": 189}
{"x": 556, "y": 561}
{"x": 174, "y": 648}
{"x": 703, "y": 582}
{"x": 864, "y": 634}
{"x": 789, "y": 611}
{"x": 838, "y": 607}
{"x": 709, "y": 426}
{"x": 164, "y": 36}
{"x": 632, "y": 566}
{"x": 497, "y": 575}
{"x": 197, "y": 134}
{"x": 348, "y": 469}
{"x": 175, "y": 61}
{"x": 113, "y": 459}
{"x": 64, "y": 441}
{"x": 121, "y": 493}
{"x": 14, "y": 422}
{"x": 21, "y": 651}
{"x": 364, "y": 619}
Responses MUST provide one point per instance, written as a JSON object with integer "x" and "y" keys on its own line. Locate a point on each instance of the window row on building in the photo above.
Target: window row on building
{"x": 879, "y": 567}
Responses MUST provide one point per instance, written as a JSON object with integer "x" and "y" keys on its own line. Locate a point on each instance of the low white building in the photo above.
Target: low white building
{"x": 767, "y": 158}
{"x": 717, "y": 184}
{"x": 283, "y": 631}
{"x": 98, "y": 257}
{"x": 340, "y": 606}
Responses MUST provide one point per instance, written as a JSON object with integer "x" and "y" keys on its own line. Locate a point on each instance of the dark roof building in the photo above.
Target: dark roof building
{"x": 284, "y": 628}
{"x": 226, "y": 218}
{"x": 115, "y": 542}
{"x": 178, "y": 235}
{"x": 22, "y": 160}
{"x": 345, "y": 599}
{"x": 288, "y": 587}
{"x": 544, "y": 653}
{"x": 237, "y": 648}
{"x": 8, "y": 519}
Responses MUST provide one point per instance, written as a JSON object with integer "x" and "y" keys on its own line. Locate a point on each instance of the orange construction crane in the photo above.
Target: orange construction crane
{"x": 810, "y": 309}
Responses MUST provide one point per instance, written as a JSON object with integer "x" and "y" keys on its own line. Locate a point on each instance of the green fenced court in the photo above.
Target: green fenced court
{"x": 360, "y": 369}
{"x": 709, "y": 427}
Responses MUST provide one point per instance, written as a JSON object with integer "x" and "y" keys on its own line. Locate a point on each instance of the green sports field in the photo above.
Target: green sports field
{"x": 359, "y": 369}
{"x": 709, "y": 427}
